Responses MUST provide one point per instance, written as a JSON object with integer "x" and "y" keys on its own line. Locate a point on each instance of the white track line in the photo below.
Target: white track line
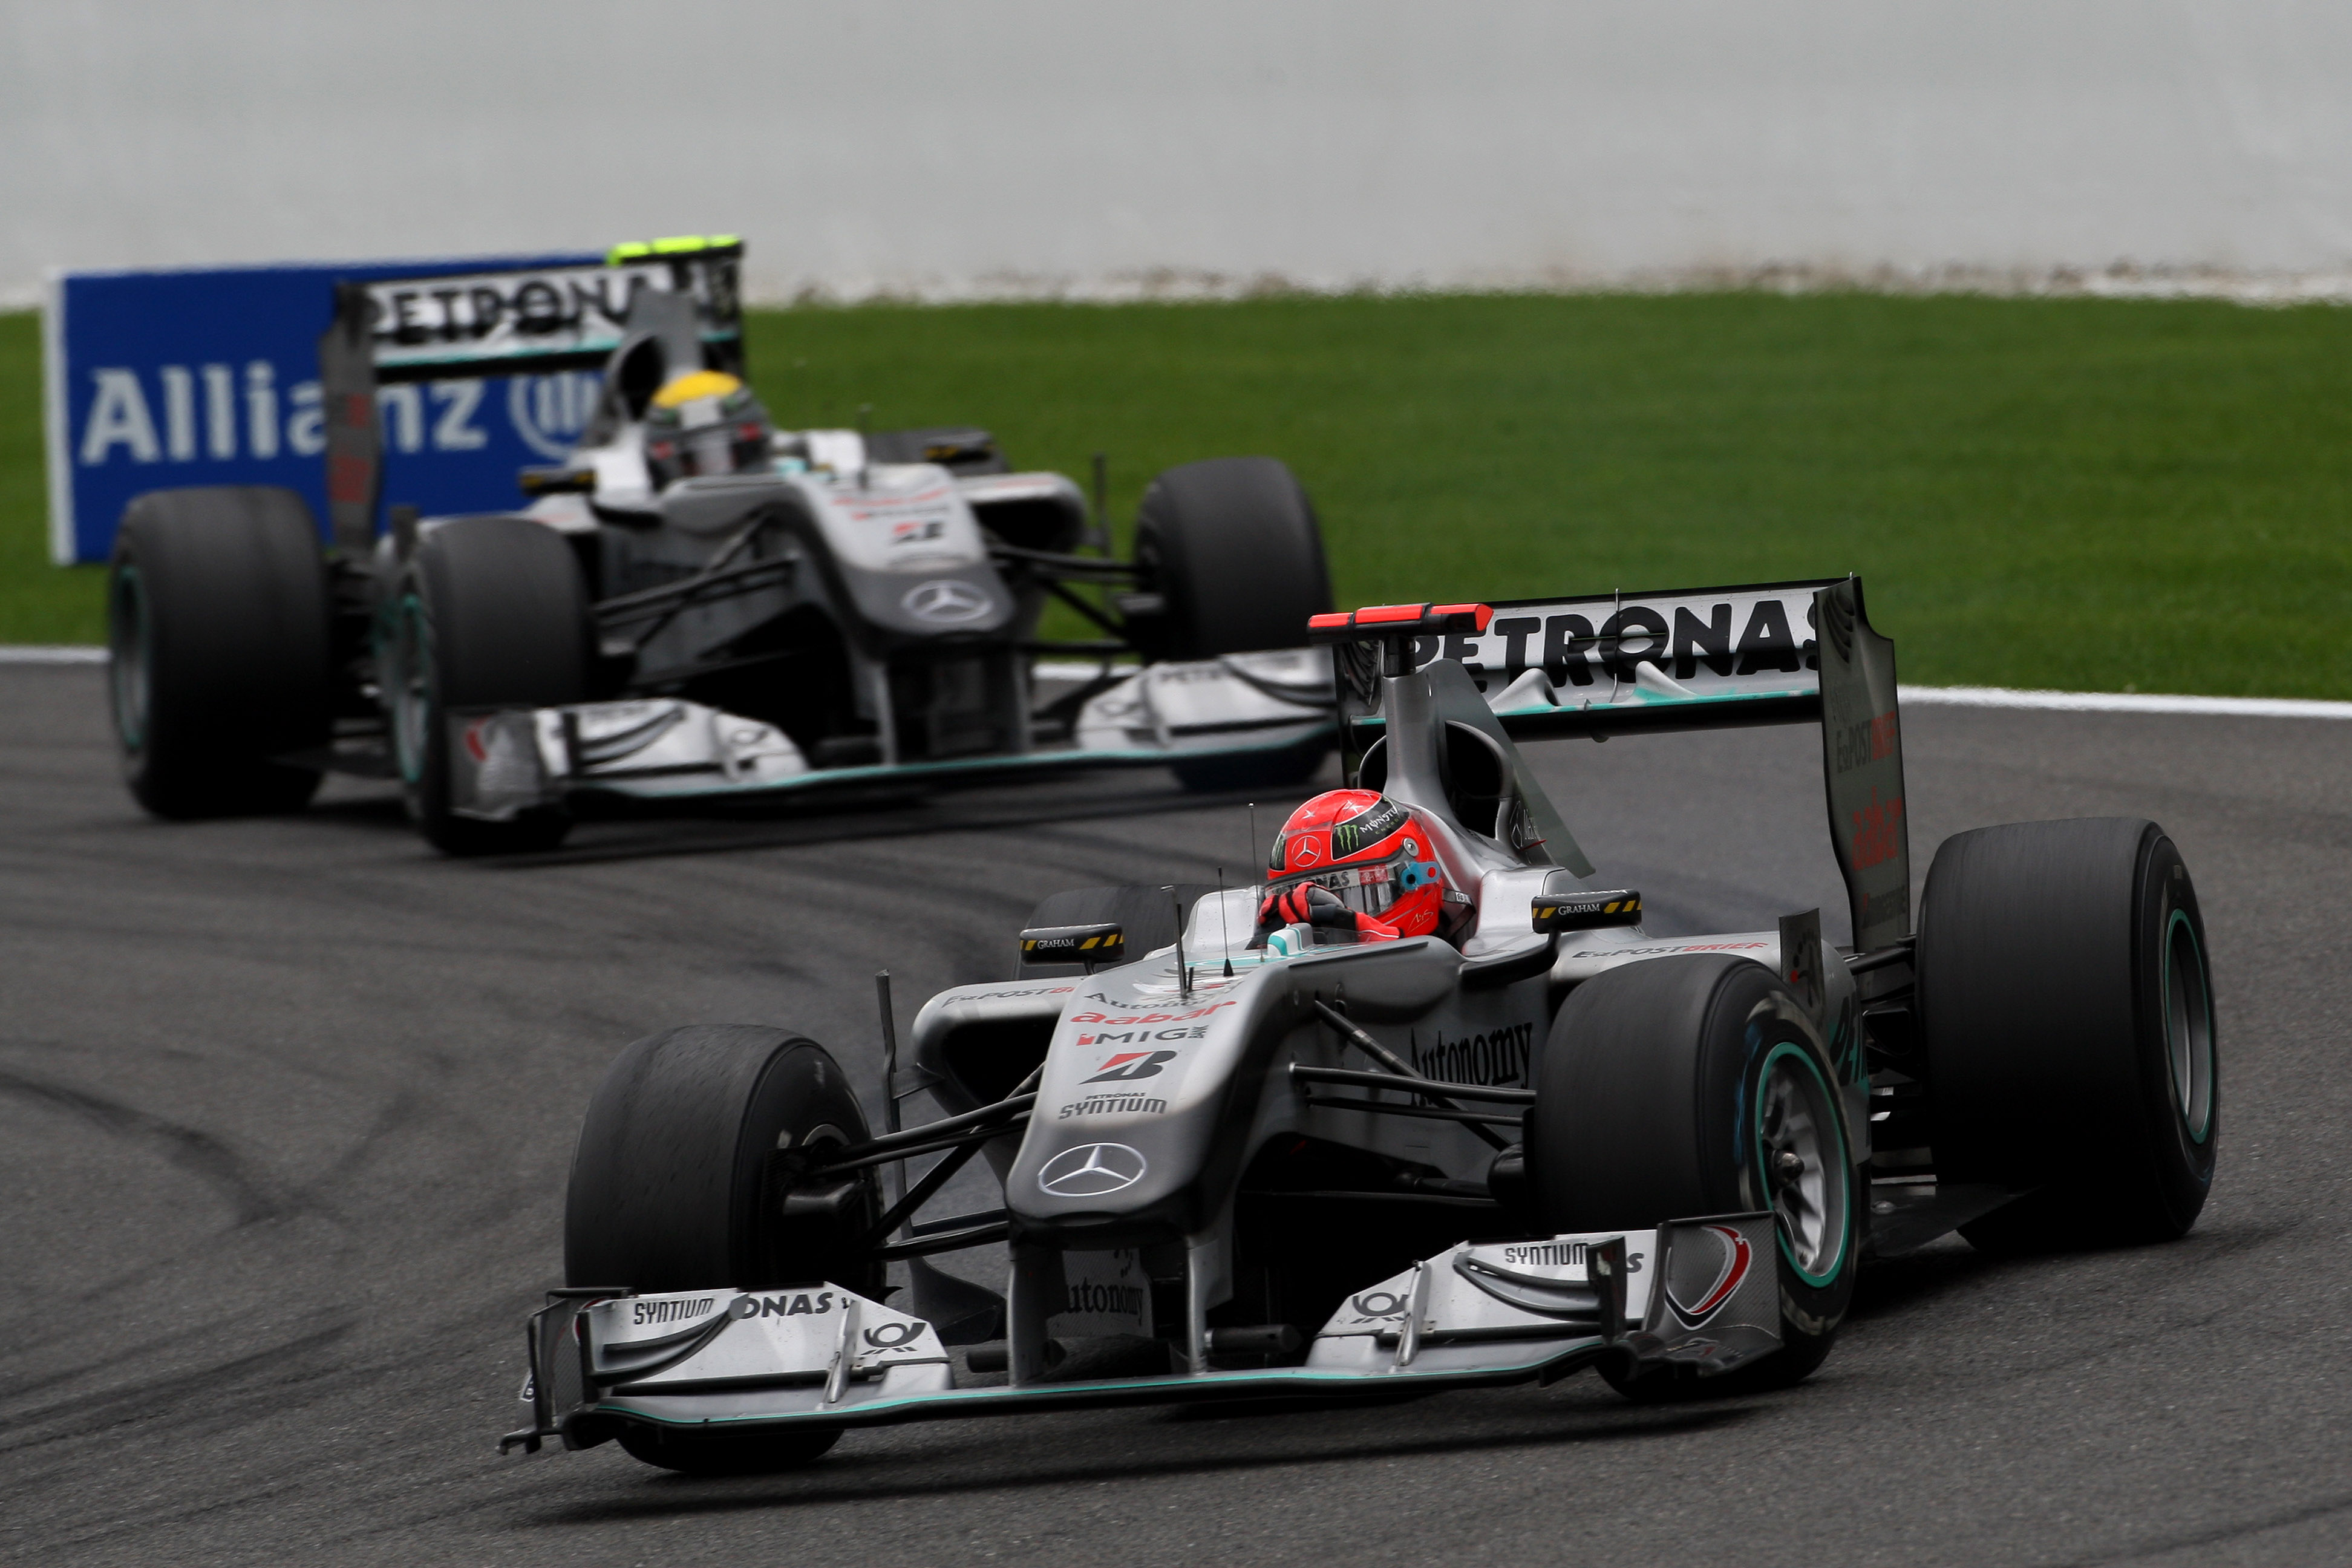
{"x": 2122, "y": 703}
{"x": 21, "y": 653}
{"x": 1920, "y": 696}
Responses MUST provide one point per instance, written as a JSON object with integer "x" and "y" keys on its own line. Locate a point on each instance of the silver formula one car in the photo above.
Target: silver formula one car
{"x": 695, "y": 603}
{"x": 1430, "y": 1109}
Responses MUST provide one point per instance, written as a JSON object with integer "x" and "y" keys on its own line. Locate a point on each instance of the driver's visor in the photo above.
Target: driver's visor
{"x": 1366, "y": 889}
{"x": 710, "y": 451}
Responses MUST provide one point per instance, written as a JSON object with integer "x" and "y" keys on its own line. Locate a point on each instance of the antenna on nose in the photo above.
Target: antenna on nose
{"x": 1183, "y": 974}
{"x": 1224, "y": 924}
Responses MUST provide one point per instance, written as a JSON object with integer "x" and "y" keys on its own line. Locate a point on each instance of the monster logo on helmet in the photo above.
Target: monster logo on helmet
{"x": 1365, "y": 828}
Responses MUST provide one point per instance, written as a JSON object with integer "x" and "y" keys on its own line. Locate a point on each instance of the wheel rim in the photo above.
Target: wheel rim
{"x": 2189, "y": 1026}
{"x": 128, "y": 652}
{"x": 411, "y": 687}
{"x": 1801, "y": 1147}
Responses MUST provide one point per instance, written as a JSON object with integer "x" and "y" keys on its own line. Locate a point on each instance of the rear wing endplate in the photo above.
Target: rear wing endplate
{"x": 1861, "y": 766}
{"x": 1705, "y": 658}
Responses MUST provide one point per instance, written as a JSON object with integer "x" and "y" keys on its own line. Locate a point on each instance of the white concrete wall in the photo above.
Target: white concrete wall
{"x": 951, "y": 146}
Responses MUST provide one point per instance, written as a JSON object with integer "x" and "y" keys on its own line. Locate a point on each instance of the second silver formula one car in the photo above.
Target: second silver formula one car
{"x": 693, "y": 603}
{"x": 1429, "y": 1109}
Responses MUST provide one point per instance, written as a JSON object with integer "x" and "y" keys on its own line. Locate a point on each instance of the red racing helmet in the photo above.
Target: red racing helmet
{"x": 1360, "y": 851}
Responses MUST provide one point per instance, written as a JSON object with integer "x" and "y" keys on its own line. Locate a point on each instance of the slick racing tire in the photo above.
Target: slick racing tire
{"x": 750, "y": 1454}
{"x": 491, "y": 612}
{"x": 2068, "y": 1012}
{"x": 1231, "y": 547}
{"x": 1696, "y": 1085}
{"x": 689, "y": 1171}
{"x": 219, "y": 625}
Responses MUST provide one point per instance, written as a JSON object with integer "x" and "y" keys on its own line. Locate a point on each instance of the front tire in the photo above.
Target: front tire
{"x": 491, "y": 613}
{"x": 1696, "y": 1085}
{"x": 685, "y": 1177}
{"x": 219, "y": 625}
{"x": 688, "y": 1177}
{"x": 2067, "y": 1003}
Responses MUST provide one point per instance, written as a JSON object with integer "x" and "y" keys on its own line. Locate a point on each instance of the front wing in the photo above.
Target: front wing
{"x": 510, "y": 761}
{"x": 1699, "y": 1292}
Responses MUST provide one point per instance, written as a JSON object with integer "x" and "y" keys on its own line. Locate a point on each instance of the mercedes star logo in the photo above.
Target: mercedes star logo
{"x": 1091, "y": 1170}
{"x": 946, "y": 600}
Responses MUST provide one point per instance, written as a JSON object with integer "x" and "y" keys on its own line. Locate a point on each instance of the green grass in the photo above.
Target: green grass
{"x": 38, "y": 603}
{"x": 2080, "y": 493}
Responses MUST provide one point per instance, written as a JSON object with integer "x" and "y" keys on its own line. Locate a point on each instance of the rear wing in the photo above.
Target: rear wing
{"x": 1704, "y": 658}
{"x": 529, "y": 319}
{"x": 515, "y": 321}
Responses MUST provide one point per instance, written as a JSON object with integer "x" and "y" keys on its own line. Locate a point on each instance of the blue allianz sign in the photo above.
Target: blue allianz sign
{"x": 162, "y": 379}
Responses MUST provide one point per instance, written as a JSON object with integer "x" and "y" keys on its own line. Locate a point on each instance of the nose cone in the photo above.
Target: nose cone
{"x": 1092, "y": 1170}
{"x": 1144, "y": 1109}
{"x": 1110, "y": 1181}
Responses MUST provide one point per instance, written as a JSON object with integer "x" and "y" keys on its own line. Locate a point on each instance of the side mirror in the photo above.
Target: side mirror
{"x": 1090, "y": 945}
{"x": 557, "y": 482}
{"x": 1586, "y": 912}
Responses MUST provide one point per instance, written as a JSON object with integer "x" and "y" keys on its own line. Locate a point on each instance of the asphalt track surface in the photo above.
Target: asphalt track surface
{"x": 285, "y": 1108}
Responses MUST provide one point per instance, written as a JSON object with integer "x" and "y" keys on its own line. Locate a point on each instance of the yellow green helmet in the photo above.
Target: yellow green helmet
{"x": 706, "y": 422}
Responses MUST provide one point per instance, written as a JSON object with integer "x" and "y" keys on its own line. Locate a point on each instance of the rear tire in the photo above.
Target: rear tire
{"x": 1671, "y": 1089}
{"x": 751, "y": 1454}
{"x": 218, "y": 622}
{"x": 1230, "y": 544}
{"x": 688, "y": 1153}
{"x": 2067, "y": 1003}
{"x": 491, "y": 613}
